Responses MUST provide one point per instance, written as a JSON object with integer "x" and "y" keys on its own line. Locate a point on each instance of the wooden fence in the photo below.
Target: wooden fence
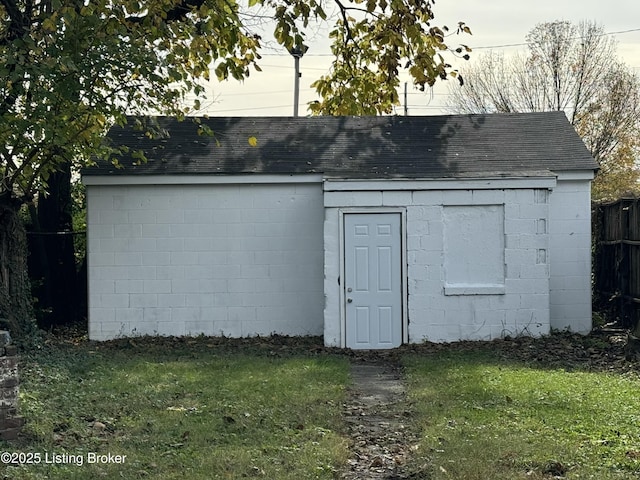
{"x": 616, "y": 260}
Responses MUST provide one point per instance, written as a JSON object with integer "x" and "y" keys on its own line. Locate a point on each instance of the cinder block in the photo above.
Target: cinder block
{"x": 518, "y": 196}
{"x": 113, "y": 330}
{"x": 171, "y": 216}
{"x": 102, "y": 315}
{"x": 97, "y": 230}
{"x": 353, "y": 199}
{"x": 535, "y": 211}
{"x": 139, "y": 272}
{"x": 526, "y": 285}
{"x": 577, "y": 269}
{"x": 241, "y": 230}
{"x": 564, "y": 227}
{"x": 129, "y": 230}
{"x": 170, "y": 272}
{"x": 413, "y": 242}
{"x": 129, "y": 286}
{"x": 534, "y": 301}
{"x": 520, "y": 226}
{"x": 269, "y": 229}
{"x": 98, "y": 198}
{"x": 486, "y": 197}
{"x": 198, "y": 215}
{"x": 242, "y": 314}
{"x": 130, "y": 258}
{"x": 575, "y": 296}
{"x": 225, "y": 328}
{"x": 534, "y": 241}
{"x": 457, "y": 197}
{"x": 141, "y": 328}
{"x": 428, "y": 197}
{"x": 417, "y": 227}
{"x": 519, "y": 256}
{"x": 143, "y": 300}
{"x": 396, "y": 198}
{"x": 184, "y": 258}
{"x": 479, "y": 332}
{"x": 199, "y": 300}
{"x": 112, "y": 217}
{"x": 204, "y": 327}
{"x": 154, "y": 315}
{"x": 98, "y": 259}
{"x": 114, "y": 300}
{"x": 210, "y": 286}
{"x": 98, "y": 286}
{"x": 534, "y": 271}
{"x": 155, "y": 230}
{"x": 157, "y": 286}
{"x": 186, "y": 285}
{"x": 154, "y": 259}
{"x": 269, "y": 285}
{"x": 169, "y": 244}
{"x": 489, "y": 317}
{"x": 197, "y": 244}
{"x": 222, "y": 216}
{"x": 171, "y": 300}
{"x": 145, "y": 217}
{"x": 444, "y": 333}
{"x": 174, "y": 329}
{"x": 240, "y": 285}
{"x": 129, "y": 315}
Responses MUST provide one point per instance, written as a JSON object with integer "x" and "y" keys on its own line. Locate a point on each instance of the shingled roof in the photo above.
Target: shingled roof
{"x": 356, "y": 147}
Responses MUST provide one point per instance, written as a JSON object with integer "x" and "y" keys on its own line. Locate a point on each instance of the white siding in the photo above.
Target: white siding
{"x": 233, "y": 260}
{"x": 570, "y": 255}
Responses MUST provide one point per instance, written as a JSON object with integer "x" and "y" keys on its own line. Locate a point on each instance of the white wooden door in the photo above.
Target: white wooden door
{"x": 373, "y": 287}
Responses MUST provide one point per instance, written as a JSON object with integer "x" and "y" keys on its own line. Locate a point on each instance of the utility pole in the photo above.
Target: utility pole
{"x": 297, "y": 53}
{"x": 406, "y": 107}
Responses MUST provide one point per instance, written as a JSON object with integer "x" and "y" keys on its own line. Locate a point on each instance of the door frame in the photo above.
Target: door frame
{"x": 403, "y": 266}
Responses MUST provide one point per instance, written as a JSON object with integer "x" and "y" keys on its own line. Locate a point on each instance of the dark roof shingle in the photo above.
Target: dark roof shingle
{"x": 357, "y": 147}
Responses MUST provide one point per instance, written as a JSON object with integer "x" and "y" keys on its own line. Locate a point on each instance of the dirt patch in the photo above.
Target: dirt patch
{"x": 378, "y": 419}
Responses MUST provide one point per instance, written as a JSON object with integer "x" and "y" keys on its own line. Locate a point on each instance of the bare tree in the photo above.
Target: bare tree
{"x": 570, "y": 68}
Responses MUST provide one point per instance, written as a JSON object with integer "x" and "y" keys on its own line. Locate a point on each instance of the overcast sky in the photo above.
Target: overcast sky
{"x": 498, "y": 24}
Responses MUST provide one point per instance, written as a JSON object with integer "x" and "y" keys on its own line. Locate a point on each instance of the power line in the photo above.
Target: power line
{"x": 524, "y": 44}
{"x": 250, "y": 108}
{"x": 482, "y": 47}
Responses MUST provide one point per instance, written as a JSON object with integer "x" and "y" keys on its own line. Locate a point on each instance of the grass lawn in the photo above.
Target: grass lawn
{"x": 213, "y": 408}
{"x": 484, "y": 417}
{"x": 183, "y": 409}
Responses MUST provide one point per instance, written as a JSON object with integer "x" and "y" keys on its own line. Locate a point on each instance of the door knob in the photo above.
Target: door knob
{"x": 349, "y": 300}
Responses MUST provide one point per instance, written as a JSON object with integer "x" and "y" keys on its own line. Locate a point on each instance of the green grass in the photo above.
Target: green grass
{"x": 483, "y": 418}
{"x": 191, "y": 410}
{"x": 214, "y": 408}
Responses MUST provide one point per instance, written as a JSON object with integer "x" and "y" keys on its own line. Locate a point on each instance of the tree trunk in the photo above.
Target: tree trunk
{"x": 15, "y": 294}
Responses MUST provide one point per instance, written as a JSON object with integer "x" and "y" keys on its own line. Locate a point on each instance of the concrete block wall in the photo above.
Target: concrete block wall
{"x": 220, "y": 259}
{"x": 521, "y": 306}
{"x": 570, "y": 256}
